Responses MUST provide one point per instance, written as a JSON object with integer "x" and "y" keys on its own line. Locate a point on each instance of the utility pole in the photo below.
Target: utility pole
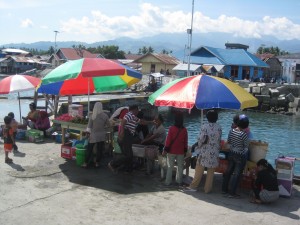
{"x": 190, "y": 32}
{"x": 56, "y": 31}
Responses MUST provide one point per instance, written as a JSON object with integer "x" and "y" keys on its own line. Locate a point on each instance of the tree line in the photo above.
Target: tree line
{"x": 113, "y": 51}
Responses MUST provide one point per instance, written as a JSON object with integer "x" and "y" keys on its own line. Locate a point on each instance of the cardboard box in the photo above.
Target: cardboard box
{"x": 75, "y": 110}
{"x": 68, "y": 152}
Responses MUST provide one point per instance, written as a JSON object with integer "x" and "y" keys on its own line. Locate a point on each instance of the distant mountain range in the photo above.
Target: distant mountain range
{"x": 174, "y": 42}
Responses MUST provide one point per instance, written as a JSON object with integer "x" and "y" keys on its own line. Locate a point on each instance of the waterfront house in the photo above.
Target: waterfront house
{"x": 18, "y": 64}
{"x": 274, "y": 70}
{"x": 65, "y": 54}
{"x": 154, "y": 63}
{"x": 234, "y": 63}
{"x": 290, "y": 67}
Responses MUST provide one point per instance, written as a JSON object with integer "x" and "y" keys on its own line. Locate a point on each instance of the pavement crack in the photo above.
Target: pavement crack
{"x": 38, "y": 199}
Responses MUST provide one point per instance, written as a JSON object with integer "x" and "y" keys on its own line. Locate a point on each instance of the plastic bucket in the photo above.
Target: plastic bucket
{"x": 80, "y": 154}
{"x": 258, "y": 150}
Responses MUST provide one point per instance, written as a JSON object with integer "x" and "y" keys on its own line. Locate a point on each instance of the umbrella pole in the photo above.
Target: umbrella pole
{"x": 20, "y": 107}
{"x": 88, "y": 111}
{"x": 201, "y": 117}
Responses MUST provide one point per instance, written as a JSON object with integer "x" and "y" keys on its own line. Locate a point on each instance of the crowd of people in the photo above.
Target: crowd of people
{"x": 172, "y": 144}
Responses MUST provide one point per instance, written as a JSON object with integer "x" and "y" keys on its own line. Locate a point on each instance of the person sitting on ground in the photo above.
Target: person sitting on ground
{"x": 42, "y": 123}
{"x": 209, "y": 143}
{"x": 32, "y": 116}
{"x": 14, "y": 125}
{"x": 8, "y": 136}
{"x": 265, "y": 187}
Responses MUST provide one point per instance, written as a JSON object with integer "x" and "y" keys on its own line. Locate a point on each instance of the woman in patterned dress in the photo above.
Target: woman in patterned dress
{"x": 209, "y": 142}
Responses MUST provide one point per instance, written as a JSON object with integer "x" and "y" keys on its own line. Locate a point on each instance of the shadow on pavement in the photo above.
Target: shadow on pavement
{"x": 121, "y": 183}
{"x": 286, "y": 207}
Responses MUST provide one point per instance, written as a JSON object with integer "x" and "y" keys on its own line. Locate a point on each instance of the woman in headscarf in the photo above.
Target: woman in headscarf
{"x": 96, "y": 132}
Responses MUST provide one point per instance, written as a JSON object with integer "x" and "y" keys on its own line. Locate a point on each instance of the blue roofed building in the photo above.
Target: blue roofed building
{"x": 238, "y": 63}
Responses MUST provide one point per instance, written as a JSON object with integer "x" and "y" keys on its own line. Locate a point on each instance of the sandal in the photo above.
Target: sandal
{"x": 8, "y": 160}
{"x": 255, "y": 201}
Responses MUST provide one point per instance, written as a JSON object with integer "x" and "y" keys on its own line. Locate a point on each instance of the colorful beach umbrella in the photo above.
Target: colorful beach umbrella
{"x": 88, "y": 75}
{"x": 18, "y": 83}
{"x": 203, "y": 92}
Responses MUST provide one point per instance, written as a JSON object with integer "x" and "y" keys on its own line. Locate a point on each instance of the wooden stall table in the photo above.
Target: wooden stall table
{"x": 73, "y": 126}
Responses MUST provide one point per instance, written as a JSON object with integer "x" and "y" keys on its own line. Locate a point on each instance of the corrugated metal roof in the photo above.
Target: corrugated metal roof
{"x": 164, "y": 58}
{"x": 72, "y": 54}
{"x": 184, "y": 67}
{"x": 209, "y": 55}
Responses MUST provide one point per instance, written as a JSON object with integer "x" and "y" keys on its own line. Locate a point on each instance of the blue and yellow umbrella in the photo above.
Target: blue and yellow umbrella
{"x": 203, "y": 92}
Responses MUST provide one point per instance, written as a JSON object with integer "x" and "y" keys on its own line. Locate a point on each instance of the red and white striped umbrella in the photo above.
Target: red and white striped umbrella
{"x": 18, "y": 83}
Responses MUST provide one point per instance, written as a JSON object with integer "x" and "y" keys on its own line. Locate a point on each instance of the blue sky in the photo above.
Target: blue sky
{"x": 99, "y": 20}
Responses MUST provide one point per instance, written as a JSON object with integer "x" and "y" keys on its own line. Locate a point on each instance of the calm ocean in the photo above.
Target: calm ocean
{"x": 280, "y": 131}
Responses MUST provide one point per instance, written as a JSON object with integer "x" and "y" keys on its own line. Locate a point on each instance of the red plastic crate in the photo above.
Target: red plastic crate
{"x": 246, "y": 182}
{"x": 68, "y": 152}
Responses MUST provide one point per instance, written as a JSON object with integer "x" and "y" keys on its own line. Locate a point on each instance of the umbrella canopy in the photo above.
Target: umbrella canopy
{"x": 18, "y": 83}
{"x": 203, "y": 92}
{"x": 88, "y": 67}
{"x": 88, "y": 75}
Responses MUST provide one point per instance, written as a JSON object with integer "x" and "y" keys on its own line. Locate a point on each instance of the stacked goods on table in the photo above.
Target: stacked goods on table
{"x": 34, "y": 135}
{"x": 72, "y": 119}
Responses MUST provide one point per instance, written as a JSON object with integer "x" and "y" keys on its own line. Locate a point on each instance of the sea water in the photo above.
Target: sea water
{"x": 280, "y": 131}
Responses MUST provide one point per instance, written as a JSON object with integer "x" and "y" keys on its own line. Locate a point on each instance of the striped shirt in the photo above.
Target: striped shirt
{"x": 239, "y": 141}
{"x": 131, "y": 122}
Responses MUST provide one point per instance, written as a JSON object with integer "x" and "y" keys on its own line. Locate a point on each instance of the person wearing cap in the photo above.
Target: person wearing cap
{"x": 239, "y": 143}
{"x": 32, "y": 116}
{"x": 235, "y": 121}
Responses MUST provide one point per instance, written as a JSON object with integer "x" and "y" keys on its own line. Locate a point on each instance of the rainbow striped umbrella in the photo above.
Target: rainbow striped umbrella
{"x": 88, "y": 75}
{"x": 203, "y": 92}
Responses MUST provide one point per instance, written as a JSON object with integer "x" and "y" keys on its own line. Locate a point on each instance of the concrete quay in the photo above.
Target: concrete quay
{"x": 40, "y": 187}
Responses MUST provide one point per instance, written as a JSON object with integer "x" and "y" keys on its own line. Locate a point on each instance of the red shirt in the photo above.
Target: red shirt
{"x": 179, "y": 142}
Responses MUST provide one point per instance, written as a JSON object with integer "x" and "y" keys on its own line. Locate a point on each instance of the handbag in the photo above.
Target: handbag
{"x": 173, "y": 139}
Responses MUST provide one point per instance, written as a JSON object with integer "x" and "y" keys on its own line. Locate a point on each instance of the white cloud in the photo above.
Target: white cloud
{"x": 26, "y": 23}
{"x": 152, "y": 20}
{"x": 44, "y": 27}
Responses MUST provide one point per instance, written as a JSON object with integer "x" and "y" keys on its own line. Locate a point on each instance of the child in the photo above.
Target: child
{"x": 8, "y": 136}
{"x": 14, "y": 126}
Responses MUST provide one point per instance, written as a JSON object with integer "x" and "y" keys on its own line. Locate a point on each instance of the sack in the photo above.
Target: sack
{"x": 151, "y": 152}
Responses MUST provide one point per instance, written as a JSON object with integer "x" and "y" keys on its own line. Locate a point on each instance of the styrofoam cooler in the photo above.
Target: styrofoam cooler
{"x": 138, "y": 150}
